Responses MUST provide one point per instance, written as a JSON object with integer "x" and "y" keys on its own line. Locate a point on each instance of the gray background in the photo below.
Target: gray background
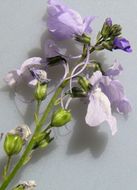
{"x": 81, "y": 157}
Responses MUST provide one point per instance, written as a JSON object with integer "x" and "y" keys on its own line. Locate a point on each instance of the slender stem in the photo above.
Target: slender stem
{"x": 38, "y": 107}
{"x": 51, "y": 103}
{"x": 6, "y": 168}
{"x": 41, "y": 122}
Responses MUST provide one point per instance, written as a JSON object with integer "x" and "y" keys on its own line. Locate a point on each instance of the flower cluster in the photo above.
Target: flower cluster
{"x": 104, "y": 91}
{"x": 86, "y": 78}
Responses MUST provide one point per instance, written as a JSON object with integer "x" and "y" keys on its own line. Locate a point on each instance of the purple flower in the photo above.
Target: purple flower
{"x": 99, "y": 111}
{"x": 31, "y": 71}
{"x": 122, "y": 43}
{"x": 65, "y": 23}
{"x": 112, "y": 88}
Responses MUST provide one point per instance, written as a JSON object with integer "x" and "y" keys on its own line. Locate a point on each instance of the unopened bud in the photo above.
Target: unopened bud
{"x": 105, "y": 32}
{"x": 108, "y": 45}
{"x": 12, "y": 144}
{"x": 108, "y": 21}
{"x": 41, "y": 91}
{"x": 84, "y": 83}
{"x": 83, "y": 39}
{"x": 78, "y": 92}
{"x": 60, "y": 117}
{"x": 97, "y": 67}
{"x": 116, "y": 30}
{"x": 42, "y": 139}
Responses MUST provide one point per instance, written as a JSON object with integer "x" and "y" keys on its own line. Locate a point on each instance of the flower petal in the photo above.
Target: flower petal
{"x": 31, "y": 62}
{"x": 124, "y": 106}
{"x": 95, "y": 78}
{"x": 87, "y": 21}
{"x": 99, "y": 110}
{"x": 113, "y": 89}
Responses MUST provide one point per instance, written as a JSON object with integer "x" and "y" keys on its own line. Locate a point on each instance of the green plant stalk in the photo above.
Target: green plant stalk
{"x": 28, "y": 149}
{"x": 6, "y": 168}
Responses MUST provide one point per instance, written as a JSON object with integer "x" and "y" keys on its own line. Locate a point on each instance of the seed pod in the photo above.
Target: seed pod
{"x": 60, "y": 117}
{"x": 40, "y": 92}
{"x": 13, "y": 144}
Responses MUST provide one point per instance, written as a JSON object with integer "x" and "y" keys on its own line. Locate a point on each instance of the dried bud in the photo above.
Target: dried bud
{"x": 84, "y": 83}
{"x": 23, "y": 131}
{"x": 41, "y": 91}
{"x": 60, "y": 117}
{"x": 26, "y": 185}
{"x": 12, "y": 144}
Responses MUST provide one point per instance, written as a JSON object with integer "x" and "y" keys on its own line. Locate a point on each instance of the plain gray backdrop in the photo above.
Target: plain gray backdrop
{"x": 81, "y": 158}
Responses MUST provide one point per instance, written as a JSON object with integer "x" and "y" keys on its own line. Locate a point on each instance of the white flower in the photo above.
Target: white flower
{"x": 99, "y": 110}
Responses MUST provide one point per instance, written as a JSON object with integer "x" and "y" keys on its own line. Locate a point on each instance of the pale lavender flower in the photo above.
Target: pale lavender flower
{"x": 30, "y": 71}
{"x": 122, "y": 43}
{"x": 113, "y": 89}
{"x": 99, "y": 111}
{"x": 65, "y": 23}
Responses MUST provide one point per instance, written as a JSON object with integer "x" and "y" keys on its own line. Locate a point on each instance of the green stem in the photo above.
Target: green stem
{"x": 6, "y": 168}
{"x": 38, "y": 107}
{"x": 41, "y": 122}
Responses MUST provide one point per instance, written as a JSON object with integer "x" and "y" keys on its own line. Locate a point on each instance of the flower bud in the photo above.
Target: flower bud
{"x": 105, "y": 32}
{"x": 12, "y": 144}
{"x": 108, "y": 21}
{"x": 84, "y": 83}
{"x": 42, "y": 139}
{"x": 83, "y": 39}
{"x": 41, "y": 91}
{"x": 97, "y": 67}
{"x": 78, "y": 92}
{"x": 108, "y": 45}
{"x": 116, "y": 30}
{"x": 60, "y": 117}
